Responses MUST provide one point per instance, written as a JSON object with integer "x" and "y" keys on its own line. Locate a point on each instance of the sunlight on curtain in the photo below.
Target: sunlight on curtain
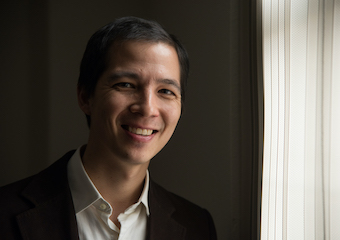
{"x": 301, "y": 163}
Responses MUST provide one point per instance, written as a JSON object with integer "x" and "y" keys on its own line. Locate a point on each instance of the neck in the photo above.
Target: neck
{"x": 119, "y": 182}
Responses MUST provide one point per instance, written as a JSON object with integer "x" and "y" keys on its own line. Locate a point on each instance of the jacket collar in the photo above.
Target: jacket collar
{"x": 161, "y": 224}
{"x": 53, "y": 213}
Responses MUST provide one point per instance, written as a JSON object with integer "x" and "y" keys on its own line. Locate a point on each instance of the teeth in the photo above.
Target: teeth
{"x": 139, "y": 131}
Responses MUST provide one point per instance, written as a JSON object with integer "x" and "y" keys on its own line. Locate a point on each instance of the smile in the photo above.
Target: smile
{"x": 140, "y": 131}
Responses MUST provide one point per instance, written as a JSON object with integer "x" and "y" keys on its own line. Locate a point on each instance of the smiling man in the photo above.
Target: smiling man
{"x": 131, "y": 89}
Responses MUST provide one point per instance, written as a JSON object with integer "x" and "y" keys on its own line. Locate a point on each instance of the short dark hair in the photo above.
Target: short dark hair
{"x": 95, "y": 58}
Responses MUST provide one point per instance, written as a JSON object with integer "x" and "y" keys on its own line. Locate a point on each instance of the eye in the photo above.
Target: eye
{"x": 167, "y": 92}
{"x": 123, "y": 85}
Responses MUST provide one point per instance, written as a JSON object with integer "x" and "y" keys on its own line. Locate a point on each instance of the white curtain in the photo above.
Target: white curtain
{"x": 301, "y": 164}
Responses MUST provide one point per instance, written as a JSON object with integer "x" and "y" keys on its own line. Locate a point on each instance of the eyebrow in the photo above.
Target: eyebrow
{"x": 170, "y": 82}
{"x": 133, "y": 75}
{"x": 121, "y": 74}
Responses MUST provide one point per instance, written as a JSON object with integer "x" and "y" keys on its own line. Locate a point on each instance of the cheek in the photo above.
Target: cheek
{"x": 172, "y": 115}
{"x": 107, "y": 107}
{"x": 115, "y": 101}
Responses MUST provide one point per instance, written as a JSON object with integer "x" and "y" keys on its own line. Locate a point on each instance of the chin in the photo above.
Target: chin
{"x": 138, "y": 156}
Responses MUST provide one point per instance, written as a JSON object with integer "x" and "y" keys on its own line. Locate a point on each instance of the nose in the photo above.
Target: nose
{"x": 145, "y": 104}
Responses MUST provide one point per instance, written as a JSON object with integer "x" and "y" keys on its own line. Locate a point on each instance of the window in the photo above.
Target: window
{"x": 301, "y": 163}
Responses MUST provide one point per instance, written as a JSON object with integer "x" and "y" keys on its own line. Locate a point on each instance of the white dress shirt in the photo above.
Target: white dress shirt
{"x": 93, "y": 212}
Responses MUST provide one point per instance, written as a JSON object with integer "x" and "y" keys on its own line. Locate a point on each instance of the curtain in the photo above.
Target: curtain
{"x": 301, "y": 158}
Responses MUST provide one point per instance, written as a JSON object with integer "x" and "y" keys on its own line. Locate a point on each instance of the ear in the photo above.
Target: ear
{"x": 83, "y": 101}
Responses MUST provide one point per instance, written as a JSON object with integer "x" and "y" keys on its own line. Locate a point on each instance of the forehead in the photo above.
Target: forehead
{"x": 142, "y": 54}
{"x": 131, "y": 48}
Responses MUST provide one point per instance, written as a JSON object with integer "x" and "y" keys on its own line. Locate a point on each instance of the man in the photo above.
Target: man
{"x": 131, "y": 88}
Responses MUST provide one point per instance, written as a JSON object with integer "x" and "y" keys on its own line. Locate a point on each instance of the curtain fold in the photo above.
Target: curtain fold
{"x": 301, "y": 162}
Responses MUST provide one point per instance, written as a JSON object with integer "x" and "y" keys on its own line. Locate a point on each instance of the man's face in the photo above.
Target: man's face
{"x": 137, "y": 101}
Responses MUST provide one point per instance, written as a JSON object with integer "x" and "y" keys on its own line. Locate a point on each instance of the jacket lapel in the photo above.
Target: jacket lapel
{"x": 161, "y": 225}
{"x": 53, "y": 213}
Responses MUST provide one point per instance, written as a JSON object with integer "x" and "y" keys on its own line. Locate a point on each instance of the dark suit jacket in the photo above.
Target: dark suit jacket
{"x": 40, "y": 207}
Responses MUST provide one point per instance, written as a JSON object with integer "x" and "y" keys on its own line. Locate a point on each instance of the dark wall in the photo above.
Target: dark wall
{"x": 210, "y": 159}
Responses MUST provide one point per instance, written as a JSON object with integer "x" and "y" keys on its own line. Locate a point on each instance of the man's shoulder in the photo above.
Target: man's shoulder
{"x": 177, "y": 201}
{"x": 15, "y": 188}
{"x": 196, "y": 220}
{"x": 29, "y": 202}
{"x": 51, "y": 176}
{"x": 182, "y": 208}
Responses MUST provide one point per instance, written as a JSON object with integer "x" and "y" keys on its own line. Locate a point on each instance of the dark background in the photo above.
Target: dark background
{"x": 211, "y": 160}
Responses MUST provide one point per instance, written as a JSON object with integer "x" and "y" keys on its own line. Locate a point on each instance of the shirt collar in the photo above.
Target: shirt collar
{"x": 84, "y": 192}
{"x": 144, "y": 196}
